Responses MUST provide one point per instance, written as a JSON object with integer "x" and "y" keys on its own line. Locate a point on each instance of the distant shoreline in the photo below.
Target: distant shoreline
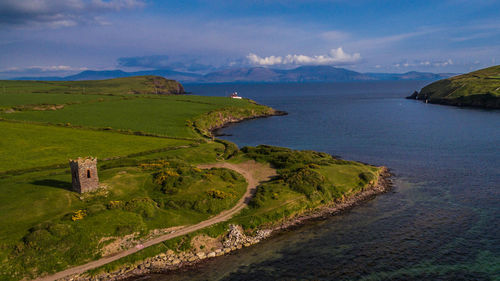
{"x": 215, "y": 133}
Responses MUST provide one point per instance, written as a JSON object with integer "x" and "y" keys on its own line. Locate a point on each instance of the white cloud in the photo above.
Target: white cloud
{"x": 443, "y": 63}
{"x": 425, "y": 63}
{"x": 272, "y": 60}
{"x": 335, "y": 57}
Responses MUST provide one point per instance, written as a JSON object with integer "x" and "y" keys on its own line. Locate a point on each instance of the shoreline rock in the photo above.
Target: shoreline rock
{"x": 214, "y": 130}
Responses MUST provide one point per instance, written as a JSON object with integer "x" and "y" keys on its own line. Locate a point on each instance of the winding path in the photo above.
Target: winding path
{"x": 246, "y": 169}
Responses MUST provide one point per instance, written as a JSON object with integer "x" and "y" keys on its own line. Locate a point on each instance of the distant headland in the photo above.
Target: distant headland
{"x": 480, "y": 88}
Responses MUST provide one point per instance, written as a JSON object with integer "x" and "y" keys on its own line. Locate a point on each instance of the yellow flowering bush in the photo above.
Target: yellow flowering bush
{"x": 78, "y": 215}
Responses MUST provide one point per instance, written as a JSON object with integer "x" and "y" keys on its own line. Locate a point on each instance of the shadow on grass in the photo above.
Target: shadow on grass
{"x": 53, "y": 183}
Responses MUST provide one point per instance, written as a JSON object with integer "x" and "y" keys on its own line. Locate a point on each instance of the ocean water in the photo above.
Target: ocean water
{"x": 440, "y": 222}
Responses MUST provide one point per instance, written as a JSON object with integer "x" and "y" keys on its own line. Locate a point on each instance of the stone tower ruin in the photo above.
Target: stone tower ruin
{"x": 84, "y": 174}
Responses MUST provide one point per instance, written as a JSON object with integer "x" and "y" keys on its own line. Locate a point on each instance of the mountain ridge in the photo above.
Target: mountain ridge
{"x": 252, "y": 74}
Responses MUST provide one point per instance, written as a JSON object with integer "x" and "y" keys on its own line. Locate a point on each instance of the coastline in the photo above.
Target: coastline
{"x": 228, "y": 122}
{"x": 482, "y": 101}
{"x": 235, "y": 238}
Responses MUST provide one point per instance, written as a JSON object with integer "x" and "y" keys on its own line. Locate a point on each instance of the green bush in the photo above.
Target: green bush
{"x": 304, "y": 180}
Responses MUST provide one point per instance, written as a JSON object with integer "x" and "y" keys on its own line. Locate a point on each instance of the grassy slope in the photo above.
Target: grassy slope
{"x": 120, "y": 86}
{"x": 25, "y": 146}
{"x": 164, "y": 116}
{"x": 479, "y": 88}
{"x": 21, "y": 100}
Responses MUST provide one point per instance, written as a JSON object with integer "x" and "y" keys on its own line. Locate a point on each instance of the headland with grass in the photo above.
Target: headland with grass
{"x": 480, "y": 88}
{"x": 152, "y": 146}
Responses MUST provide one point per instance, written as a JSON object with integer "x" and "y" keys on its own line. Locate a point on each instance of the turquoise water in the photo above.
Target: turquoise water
{"x": 440, "y": 222}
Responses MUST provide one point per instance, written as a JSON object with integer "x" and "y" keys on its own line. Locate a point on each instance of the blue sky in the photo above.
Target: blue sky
{"x": 59, "y": 37}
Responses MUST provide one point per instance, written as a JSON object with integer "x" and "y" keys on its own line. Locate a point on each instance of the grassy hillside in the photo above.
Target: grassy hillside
{"x": 479, "y": 88}
{"x": 147, "y": 148}
{"x": 306, "y": 180}
{"x": 25, "y": 146}
{"x": 170, "y": 116}
{"x": 128, "y": 85}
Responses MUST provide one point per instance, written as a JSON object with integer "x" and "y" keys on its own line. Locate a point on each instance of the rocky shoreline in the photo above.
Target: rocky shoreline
{"x": 235, "y": 238}
{"x": 228, "y": 121}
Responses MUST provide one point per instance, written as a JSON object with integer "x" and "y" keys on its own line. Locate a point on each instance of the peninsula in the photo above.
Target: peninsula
{"x": 480, "y": 88}
{"x": 169, "y": 194}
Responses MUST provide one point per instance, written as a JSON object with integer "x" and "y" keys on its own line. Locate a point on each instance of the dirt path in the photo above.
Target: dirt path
{"x": 253, "y": 173}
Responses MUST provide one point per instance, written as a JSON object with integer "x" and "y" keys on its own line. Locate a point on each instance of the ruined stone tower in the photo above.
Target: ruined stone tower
{"x": 84, "y": 174}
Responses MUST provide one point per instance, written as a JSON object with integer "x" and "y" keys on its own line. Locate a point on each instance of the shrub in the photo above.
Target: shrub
{"x": 304, "y": 180}
{"x": 144, "y": 207}
{"x": 78, "y": 215}
{"x": 365, "y": 177}
{"x": 217, "y": 194}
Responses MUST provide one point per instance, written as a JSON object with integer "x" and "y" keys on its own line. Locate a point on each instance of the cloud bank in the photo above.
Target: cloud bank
{"x": 335, "y": 57}
{"x": 164, "y": 62}
{"x": 60, "y": 13}
{"x": 426, "y": 63}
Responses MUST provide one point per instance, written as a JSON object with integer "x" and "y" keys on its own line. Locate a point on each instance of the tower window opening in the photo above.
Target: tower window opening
{"x": 88, "y": 174}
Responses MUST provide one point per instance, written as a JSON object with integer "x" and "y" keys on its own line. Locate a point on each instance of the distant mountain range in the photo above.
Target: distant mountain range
{"x": 254, "y": 74}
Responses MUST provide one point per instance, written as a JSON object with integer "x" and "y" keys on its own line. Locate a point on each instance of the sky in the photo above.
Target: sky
{"x": 62, "y": 37}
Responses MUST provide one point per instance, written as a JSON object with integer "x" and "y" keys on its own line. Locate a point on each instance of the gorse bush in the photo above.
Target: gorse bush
{"x": 304, "y": 180}
{"x": 285, "y": 158}
{"x": 173, "y": 176}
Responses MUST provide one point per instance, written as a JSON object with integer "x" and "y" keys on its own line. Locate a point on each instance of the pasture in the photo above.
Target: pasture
{"x": 25, "y": 146}
{"x": 163, "y": 116}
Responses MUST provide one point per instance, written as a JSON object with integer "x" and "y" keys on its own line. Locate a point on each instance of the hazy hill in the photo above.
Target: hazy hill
{"x": 253, "y": 74}
{"x": 310, "y": 74}
{"x": 321, "y": 73}
{"x": 480, "y": 88}
{"x": 412, "y": 75}
{"x": 110, "y": 74}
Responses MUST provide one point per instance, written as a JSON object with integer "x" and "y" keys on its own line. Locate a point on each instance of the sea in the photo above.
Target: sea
{"x": 441, "y": 220}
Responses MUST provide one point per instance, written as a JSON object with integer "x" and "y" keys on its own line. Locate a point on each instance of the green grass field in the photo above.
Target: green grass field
{"x": 147, "y": 147}
{"x": 12, "y": 100}
{"x": 25, "y": 146}
{"x": 164, "y": 116}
